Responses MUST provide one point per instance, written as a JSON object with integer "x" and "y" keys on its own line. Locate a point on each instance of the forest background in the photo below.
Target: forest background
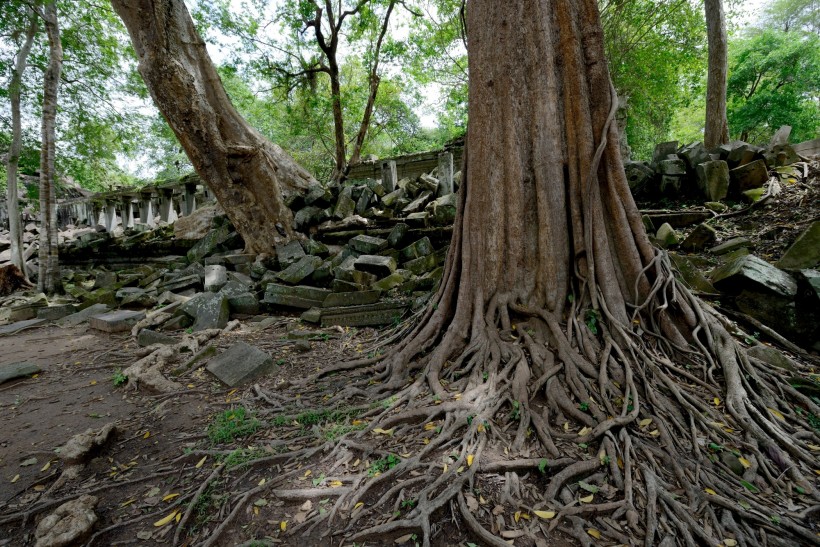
{"x": 109, "y": 134}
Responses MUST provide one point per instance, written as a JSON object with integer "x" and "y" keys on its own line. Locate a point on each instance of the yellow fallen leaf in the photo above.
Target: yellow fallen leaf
{"x": 92, "y": 383}
{"x": 594, "y": 533}
{"x": 584, "y": 431}
{"x": 360, "y": 504}
{"x": 147, "y": 434}
{"x": 460, "y": 469}
{"x": 358, "y": 422}
{"x": 655, "y": 433}
{"x": 179, "y": 516}
{"x": 35, "y": 376}
{"x": 777, "y": 414}
{"x": 283, "y": 525}
{"x": 545, "y": 514}
{"x": 745, "y": 463}
{"x": 168, "y": 519}
{"x": 15, "y": 479}
{"x": 201, "y": 462}
{"x": 480, "y": 428}
{"x": 517, "y": 516}
{"x": 335, "y": 484}
{"x": 46, "y": 466}
{"x": 813, "y": 447}
{"x": 716, "y": 401}
{"x": 457, "y": 396}
{"x": 190, "y": 386}
{"x": 256, "y": 511}
{"x": 308, "y": 473}
{"x": 128, "y": 502}
{"x": 644, "y": 423}
{"x": 710, "y": 491}
{"x": 170, "y": 497}
{"x": 525, "y": 516}
{"x": 39, "y": 488}
{"x": 429, "y": 426}
{"x": 728, "y": 542}
{"x": 261, "y": 482}
{"x": 469, "y": 460}
{"x": 566, "y": 426}
{"x": 445, "y": 468}
{"x": 380, "y": 431}
{"x": 587, "y": 499}
{"x": 425, "y": 441}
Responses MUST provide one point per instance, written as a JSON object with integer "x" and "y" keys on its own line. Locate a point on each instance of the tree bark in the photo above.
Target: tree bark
{"x": 48, "y": 280}
{"x": 15, "y": 90}
{"x": 247, "y": 173}
{"x": 717, "y": 125}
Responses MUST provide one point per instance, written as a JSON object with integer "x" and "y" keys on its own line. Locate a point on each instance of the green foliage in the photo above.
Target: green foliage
{"x": 774, "y": 80}
{"x": 232, "y": 424}
{"x": 383, "y": 464}
{"x": 657, "y": 57}
{"x": 119, "y": 378}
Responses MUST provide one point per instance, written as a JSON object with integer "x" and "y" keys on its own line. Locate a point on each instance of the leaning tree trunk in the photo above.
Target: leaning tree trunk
{"x": 560, "y": 344}
{"x": 717, "y": 126}
{"x": 15, "y": 90}
{"x": 48, "y": 280}
{"x": 247, "y": 173}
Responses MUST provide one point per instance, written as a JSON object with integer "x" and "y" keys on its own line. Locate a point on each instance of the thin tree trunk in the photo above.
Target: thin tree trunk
{"x": 48, "y": 280}
{"x": 247, "y": 173}
{"x": 717, "y": 125}
{"x": 15, "y": 90}
{"x": 355, "y": 157}
{"x": 338, "y": 116}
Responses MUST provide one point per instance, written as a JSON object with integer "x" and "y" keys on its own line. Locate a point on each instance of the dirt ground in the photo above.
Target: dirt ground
{"x": 162, "y": 455}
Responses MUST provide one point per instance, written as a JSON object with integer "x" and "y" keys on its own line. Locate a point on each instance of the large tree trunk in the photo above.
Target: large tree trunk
{"x": 717, "y": 126}
{"x": 247, "y": 173}
{"x": 560, "y": 344}
{"x": 48, "y": 280}
{"x": 15, "y": 89}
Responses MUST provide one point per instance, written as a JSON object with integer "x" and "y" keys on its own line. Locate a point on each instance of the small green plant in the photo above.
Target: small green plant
{"x": 383, "y": 464}
{"x": 280, "y": 362}
{"x": 542, "y": 465}
{"x": 190, "y": 330}
{"x": 486, "y": 376}
{"x": 516, "y": 410}
{"x": 232, "y": 424}
{"x": 583, "y": 407}
{"x": 591, "y": 319}
{"x": 408, "y": 503}
{"x": 239, "y": 457}
{"x": 119, "y": 378}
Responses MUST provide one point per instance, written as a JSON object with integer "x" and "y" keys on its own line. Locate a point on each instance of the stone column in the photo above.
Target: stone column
{"x": 445, "y": 173}
{"x": 96, "y": 215}
{"x": 389, "y": 175}
{"x": 147, "y": 209}
{"x": 190, "y": 199}
{"x": 127, "y": 212}
{"x": 110, "y": 216}
{"x": 166, "y": 205}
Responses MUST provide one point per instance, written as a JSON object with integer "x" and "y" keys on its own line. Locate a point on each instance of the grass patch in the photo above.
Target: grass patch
{"x": 232, "y": 424}
{"x": 384, "y": 464}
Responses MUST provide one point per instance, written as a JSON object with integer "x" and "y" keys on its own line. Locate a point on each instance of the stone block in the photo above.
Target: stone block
{"x": 100, "y": 296}
{"x": 289, "y": 254}
{"x": 17, "y": 370}
{"x": 638, "y": 176}
{"x": 245, "y": 304}
{"x": 667, "y": 236}
{"x": 420, "y": 248}
{"x": 105, "y": 279}
{"x": 672, "y": 167}
{"x": 368, "y": 245}
{"x": 663, "y": 150}
{"x": 234, "y": 288}
{"x": 422, "y": 264}
{"x": 208, "y": 311}
{"x": 215, "y": 277}
{"x": 731, "y": 245}
{"x": 713, "y": 179}
{"x": 385, "y": 313}
{"x": 380, "y": 266}
{"x": 56, "y": 312}
{"x": 240, "y": 364}
{"x": 208, "y": 244}
{"x": 339, "y": 285}
{"x": 419, "y": 220}
{"x": 702, "y": 236}
{"x": 148, "y": 337}
{"x": 690, "y": 275}
{"x": 319, "y": 196}
{"x": 300, "y": 270}
{"x": 181, "y": 283}
{"x": 316, "y": 248}
{"x": 294, "y": 297}
{"x": 753, "y": 274}
{"x": 138, "y": 301}
{"x": 418, "y": 204}
{"x": 116, "y": 321}
{"x": 76, "y": 318}
{"x": 748, "y": 177}
{"x": 345, "y": 206}
{"x": 804, "y": 253}
{"x": 307, "y": 217}
{"x": 397, "y": 234}
{"x": 358, "y": 298}
{"x": 693, "y": 155}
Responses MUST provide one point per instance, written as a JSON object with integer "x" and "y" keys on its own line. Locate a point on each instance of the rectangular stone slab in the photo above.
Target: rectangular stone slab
{"x": 240, "y": 364}
{"x": 116, "y": 321}
{"x": 17, "y": 370}
{"x": 76, "y": 318}
{"x": 20, "y": 325}
{"x": 372, "y": 315}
